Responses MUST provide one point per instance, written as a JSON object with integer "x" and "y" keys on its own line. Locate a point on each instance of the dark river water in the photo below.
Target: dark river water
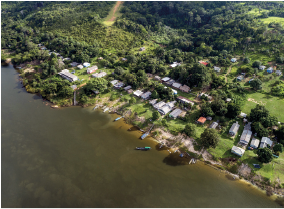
{"x": 77, "y": 157}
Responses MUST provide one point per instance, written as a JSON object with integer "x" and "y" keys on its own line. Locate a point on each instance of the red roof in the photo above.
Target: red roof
{"x": 204, "y": 63}
{"x": 201, "y": 120}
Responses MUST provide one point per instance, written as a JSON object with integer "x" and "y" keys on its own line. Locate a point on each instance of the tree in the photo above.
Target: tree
{"x": 209, "y": 138}
{"x": 155, "y": 115}
{"x": 265, "y": 155}
{"x": 132, "y": 100}
{"x": 256, "y": 63}
{"x": 155, "y": 95}
{"x": 233, "y": 110}
{"x": 119, "y": 70}
{"x": 190, "y": 129}
{"x": 246, "y": 60}
{"x": 278, "y": 148}
{"x": 280, "y": 134}
{"x": 256, "y": 84}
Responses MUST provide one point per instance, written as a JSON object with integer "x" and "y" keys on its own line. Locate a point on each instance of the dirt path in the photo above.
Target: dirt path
{"x": 115, "y": 8}
{"x": 228, "y": 72}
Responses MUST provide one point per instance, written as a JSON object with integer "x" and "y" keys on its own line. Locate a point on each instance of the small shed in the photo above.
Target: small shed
{"x": 209, "y": 118}
{"x": 124, "y": 59}
{"x": 127, "y": 88}
{"x": 243, "y": 115}
{"x": 174, "y": 114}
{"x": 142, "y": 49}
{"x": 213, "y": 125}
{"x": 228, "y": 99}
{"x": 158, "y": 78}
{"x": 203, "y": 63}
{"x": 80, "y": 67}
{"x": 114, "y": 82}
{"x": 165, "y": 79}
{"x": 138, "y": 93}
{"x": 184, "y": 88}
{"x": 100, "y": 58}
{"x": 254, "y": 143}
{"x": 278, "y": 72}
{"x": 269, "y": 70}
{"x": 240, "y": 78}
{"x": 129, "y": 91}
{"x": 237, "y": 151}
{"x": 86, "y": 64}
{"x": 262, "y": 67}
{"x": 201, "y": 120}
{"x": 176, "y": 85}
{"x": 234, "y": 60}
{"x": 234, "y": 129}
{"x": 149, "y": 75}
{"x": 217, "y": 69}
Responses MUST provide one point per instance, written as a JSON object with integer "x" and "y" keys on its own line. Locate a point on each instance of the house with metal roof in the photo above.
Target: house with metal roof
{"x": 174, "y": 114}
{"x": 80, "y": 67}
{"x": 243, "y": 115}
{"x": 146, "y": 95}
{"x": 234, "y": 129}
{"x": 175, "y": 64}
{"x": 167, "y": 107}
{"x": 124, "y": 59}
{"x": 65, "y": 74}
{"x": 265, "y": 142}
{"x": 114, "y": 82}
{"x": 142, "y": 49}
{"x": 217, "y": 69}
{"x": 228, "y": 99}
{"x": 153, "y": 101}
{"x": 262, "y": 67}
{"x": 158, "y": 78}
{"x": 99, "y": 75}
{"x": 245, "y": 137}
{"x": 86, "y": 64}
{"x": 278, "y": 72}
{"x": 74, "y": 64}
{"x": 159, "y": 105}
{"x": 213, "y": 125}
{"x": 254, "y": 143}
{"x": 118, "y": 85}
{"x": 176, "y": 85}
{"x": 74, "y": 87}
{"x": 185, "y": 100}
{"x": 184, "y": 88}
{"x": 127, "y": 87}
{"x": 170, "y": 82}
{"x": 269, "y": 70}
{"x": 138, "y": 93}
{"x": 234, "y": 60}
{"x": 165, "y": 79}
{"x": 209, "y": 97}
{"x": 129, "y": 91}
{"x": 92, "y": 69}
{"x": 237, "y": 151}
{"x": 240, "y": 78}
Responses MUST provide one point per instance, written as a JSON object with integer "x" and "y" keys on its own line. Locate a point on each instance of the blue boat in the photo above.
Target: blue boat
{"x": 144, "y": 135}
{"x": 118, "y": 118}
{"x": 143, "y": 148}
{"x": 181, "y": 155}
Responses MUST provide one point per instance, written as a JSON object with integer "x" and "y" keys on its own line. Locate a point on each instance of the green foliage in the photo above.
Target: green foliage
{"x": 256, "y": 84}
{"x": 190, "y": 129}
{"x": 132, "y": 100}
{"x": 209, "y": 138}
{"x": 264, "y": 155}
{"x": 155, "y": 115}
{"x": 278, "y": 148}
{"x": 233, "y": 110}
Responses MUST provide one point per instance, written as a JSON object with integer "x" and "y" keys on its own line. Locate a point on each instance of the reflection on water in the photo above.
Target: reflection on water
{"x": 78, "y": 157}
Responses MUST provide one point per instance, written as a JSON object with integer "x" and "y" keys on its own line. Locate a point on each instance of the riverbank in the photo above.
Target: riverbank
{"x": 184, "y": 144}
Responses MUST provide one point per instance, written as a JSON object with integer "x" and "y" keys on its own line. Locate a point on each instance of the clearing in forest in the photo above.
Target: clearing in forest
{"x": 114, "y": 13}
{"x": 273, "y": 19}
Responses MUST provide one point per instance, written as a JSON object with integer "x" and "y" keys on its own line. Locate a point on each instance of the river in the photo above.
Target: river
{"x": 78, "y": 157}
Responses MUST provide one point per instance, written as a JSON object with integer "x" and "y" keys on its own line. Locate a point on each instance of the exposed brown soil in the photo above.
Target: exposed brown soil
{"x": 115, "y": 8}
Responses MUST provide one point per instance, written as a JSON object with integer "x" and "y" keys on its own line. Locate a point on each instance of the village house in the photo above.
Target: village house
{"x": 74, "y": 64}
{"x": 99, "y": 75}
{"x": 213, "y": 125}
{"x": 138, "y": 93}
{"x": 243, "y": 115}
{"x": 100, "y": 58}
{"x": 240, "y": 78}
{"x": 146, "y": 95}
{"x": 176, "y": 85}
{"x": 159, "y": 105}
{"x": 201, "y": 120}
{"x": 175, "y": 64}
{"x": 170, "y": 82}
{"x": 184, "y": 88}
{"x": 269, "y": 70}
{"x": 127, "y": 88}
{"x": 158, "y": 78}
{"x": 153, "y": 102}
{"x": 265, "y": 142}
{"x": 209, "y": 97}
{"x": 149, "y": 75}
{"x": 209, "y": 118}
{"x": 92, "y": 69}
{"x": 237, "y": 151}
{"x": 185, "y": 100}
{"x": 234, "y": 129}
{"x": 142, "y": 49}
{"x": 124, "y": 59}
{"x": 228, "y": 99}
{"x": 278, "y": 72}
{"x": 129, "y": 91}
{"x": 245, "y": 137}
{"x": 66, "y": 59}
{"x": 217, "y": 69}
{"x": 165, "y": 79}
{"x": 114, "y": 82}
{"x": 70, "y": 77}
{"x": 262, "y": 67}
{"x": 203, "y": 63}
{"x": 174, "y": 114}
{"x": 254, "y": 143}
{"x": 167, "y": 107}
{"x": 233, "y": 60}
{"x": 86, "y": 64}
{"x": 118, "y": 85}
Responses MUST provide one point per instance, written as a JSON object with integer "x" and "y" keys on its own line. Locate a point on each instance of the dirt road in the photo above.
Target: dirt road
{"x": 115, "y": 8}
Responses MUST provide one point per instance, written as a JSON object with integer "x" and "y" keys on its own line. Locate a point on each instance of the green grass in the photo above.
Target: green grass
{"x": 107, "y": 21}
{"x": 256, "y": 11}
{"x": 273, "y": 19}
{"x": 273, "y": 104}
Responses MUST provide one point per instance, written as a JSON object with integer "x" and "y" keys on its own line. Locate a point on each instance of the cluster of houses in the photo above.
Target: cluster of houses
{"x": 172, "y": 83}
{"x": 246, "y": 139}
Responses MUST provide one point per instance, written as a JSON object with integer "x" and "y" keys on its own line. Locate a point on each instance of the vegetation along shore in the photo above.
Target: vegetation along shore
{"x": 207, "y": 75}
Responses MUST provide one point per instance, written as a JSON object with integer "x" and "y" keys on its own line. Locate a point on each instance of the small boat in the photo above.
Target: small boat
{"x": 144, "y": 135}
{"x": 106, "y": 109}
{"x": 143, "y": 148}
{"x": 95, "y": 107}
{"x": 181, "y": 155}
{"x": 118, "y": 118}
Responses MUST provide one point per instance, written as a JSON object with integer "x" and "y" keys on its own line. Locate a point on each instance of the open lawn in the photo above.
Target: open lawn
{"x": 274, "y": 104}
{"x": 257, "y": 12}
{"x": 273, "y": 19}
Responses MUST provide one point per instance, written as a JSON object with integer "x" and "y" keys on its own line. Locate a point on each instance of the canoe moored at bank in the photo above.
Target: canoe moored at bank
{"x": 143, "y": 148}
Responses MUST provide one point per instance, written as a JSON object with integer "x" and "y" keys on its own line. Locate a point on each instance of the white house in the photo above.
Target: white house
{"x": 65, "y": 74}
{"x": 114, "y": 82}
{"x": 254, "y": 143}
{"x": 237, "y": 151}
{"x": 262, "y": 67}
{"x": 86, "y": 64}
{"x": 165, "y": 79}
{"x": 265, "y": 141}
{"x": 92, "y": 69}
{"x": 146, "y": 95}
{"x": 175, "y": 64}
{"x": 217, "y": 69}
{"x": 80, "y": 67}
{"x": 233, "y": 60}
{"x": 138, "y": 93}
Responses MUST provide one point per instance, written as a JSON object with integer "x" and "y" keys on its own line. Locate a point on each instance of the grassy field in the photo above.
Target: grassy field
{"x": 257, "y": 12}
{"x": 273, "y": 104}
{"x": 113, "y": 13}
{"x": 273, "y": 19}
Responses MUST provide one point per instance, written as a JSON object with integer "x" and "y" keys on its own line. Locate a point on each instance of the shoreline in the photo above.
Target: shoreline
{"x": 209, "y": 162}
